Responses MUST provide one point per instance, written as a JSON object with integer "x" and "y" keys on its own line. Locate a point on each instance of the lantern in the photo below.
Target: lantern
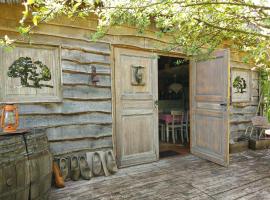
{"x": 9, "y": 118}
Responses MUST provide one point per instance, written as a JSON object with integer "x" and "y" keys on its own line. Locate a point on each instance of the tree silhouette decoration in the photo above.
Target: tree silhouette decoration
{"x": 240, "y": 84}
{"x": 30, "y": 73}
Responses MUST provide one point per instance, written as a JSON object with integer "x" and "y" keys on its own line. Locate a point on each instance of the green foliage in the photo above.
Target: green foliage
{"x": 195, "y": 27}
{"x": 264, "y": 81}
{"x": 27, "y": 70}
{"x": 7, "y": 43}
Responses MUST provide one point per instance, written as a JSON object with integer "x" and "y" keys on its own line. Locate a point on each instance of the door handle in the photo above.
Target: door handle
{"x": 223, "y": 104}
{"x": 156, "y": 104}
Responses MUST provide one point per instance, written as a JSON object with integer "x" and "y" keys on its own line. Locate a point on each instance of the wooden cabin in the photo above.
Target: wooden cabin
{"x": 109, "y": 94}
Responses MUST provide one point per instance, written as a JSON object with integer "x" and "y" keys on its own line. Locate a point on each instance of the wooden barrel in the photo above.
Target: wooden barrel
{"x": 40, "y": 164}
{"x": 25, "y": 166}
{"x": 14, "y": 168}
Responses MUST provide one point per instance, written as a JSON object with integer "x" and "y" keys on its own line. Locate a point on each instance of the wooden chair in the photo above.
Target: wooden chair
{"x": 176, "y": 127}
{"x": 162, "y": 128}
{"x": 258, "y": 122}
{"x": 185, "y": 125}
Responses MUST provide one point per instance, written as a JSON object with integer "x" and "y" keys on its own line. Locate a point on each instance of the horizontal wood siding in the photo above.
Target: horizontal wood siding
{"x": 83, "y": 120}
{"x": 242, "y": 112}
{"x": 85, "y": 115}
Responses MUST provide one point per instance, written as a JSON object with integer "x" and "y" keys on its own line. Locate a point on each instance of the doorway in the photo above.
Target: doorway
{"x": 136, "y": 94}
{"x": 173, "y": 95}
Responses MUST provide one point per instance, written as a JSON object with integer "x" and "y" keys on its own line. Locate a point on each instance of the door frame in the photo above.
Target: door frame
{"x": 159, "y": 53}
{"x": 113, "y": 89}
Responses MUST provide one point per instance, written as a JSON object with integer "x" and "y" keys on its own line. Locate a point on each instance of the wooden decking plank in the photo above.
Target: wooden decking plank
{"x": 213, "y": 179}
{"x": 228, "y": 184}
{"x": 186, "y": 177}
{"x": 245, "y": 190}
{"x": 263, "y": 194}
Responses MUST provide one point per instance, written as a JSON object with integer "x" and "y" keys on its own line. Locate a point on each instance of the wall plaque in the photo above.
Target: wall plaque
{"x": 241, "y": 85}
{"x": 45, "y": 74}
{"x": 137, "y": 75}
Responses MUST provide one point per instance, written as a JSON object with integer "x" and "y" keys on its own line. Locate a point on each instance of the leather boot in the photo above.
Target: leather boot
{"x": 75, "y": 169}
{"x": 59, "y": 181}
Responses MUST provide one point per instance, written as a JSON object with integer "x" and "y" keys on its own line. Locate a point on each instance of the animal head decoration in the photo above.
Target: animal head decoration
{"x": 138, "y": 74}
{"x": 31, "y": 73}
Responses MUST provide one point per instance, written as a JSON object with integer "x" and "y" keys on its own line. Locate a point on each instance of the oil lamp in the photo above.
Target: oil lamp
{"x": 9, "y": 118}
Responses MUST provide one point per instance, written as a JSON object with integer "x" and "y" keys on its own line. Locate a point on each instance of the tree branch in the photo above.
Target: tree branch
{"x": 224, "y": 3}
{"x": 233, "y": 30}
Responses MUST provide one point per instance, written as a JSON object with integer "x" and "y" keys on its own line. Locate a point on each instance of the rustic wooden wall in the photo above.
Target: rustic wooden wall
{"x": 242, "y": 112}
{"x": 83, "y": 121}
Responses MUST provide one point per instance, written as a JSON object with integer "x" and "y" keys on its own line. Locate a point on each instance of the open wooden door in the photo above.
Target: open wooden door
{"x": 136, "y": 116}
{"x": 209, "y": 108}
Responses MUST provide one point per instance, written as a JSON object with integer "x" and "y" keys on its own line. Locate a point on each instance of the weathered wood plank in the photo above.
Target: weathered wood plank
{"x": 245, "y": 104}
{"x": 85, "y": 79}
{"x": 84, "y": 57}
{"x": 65, "y": 147}
{"x": 259, "y": 144}
{"x": 67, "y": 107}
{"x": 243, "y": 110}
{"x": 35, "y": 121}
{"x": 84, "y": 35}
{"x": 234, "y": 135}
{"x": 179, "y": 178}
{"x": 261, "y": 194}
{"x": 78, "y": 131}
{"x": 238, "y": 146}
{"x": 241, "y": 192}
{"x": 86, "y": 93}
{"x": 240, "y": 65}
{"x": 87, "y": 50}
{"x": 87, "y": 45}
{"x": 239, "y": 127}
{"x": 241, "y": 117}
{"x": 84, "y": 25}
{"x": 85, "y": 69}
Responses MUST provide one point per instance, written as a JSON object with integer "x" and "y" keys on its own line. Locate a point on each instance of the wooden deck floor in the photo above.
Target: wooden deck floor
{"x": 187, "y": 177}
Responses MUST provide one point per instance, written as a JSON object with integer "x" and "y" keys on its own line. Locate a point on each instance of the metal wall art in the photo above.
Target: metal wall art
{"x": 137, "y": 75}
{"x": 241, "y": 85}
{"x": 30, "y": 73}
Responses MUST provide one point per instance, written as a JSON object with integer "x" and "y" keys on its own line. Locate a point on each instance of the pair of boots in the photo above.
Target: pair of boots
{"x": 79, "y": 166}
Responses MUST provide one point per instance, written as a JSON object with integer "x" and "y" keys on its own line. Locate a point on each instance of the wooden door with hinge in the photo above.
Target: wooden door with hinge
{"x": 209, "y": 107}
{"x": 136, "y": 113}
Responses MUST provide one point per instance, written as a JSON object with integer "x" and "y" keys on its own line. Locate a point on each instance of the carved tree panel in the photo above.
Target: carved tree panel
{"x": 241, "y": 85}
{"x": 11, "y": 89}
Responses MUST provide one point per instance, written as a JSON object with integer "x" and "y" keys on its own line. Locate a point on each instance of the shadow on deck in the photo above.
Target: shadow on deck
{"x": 188, "y": 177}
